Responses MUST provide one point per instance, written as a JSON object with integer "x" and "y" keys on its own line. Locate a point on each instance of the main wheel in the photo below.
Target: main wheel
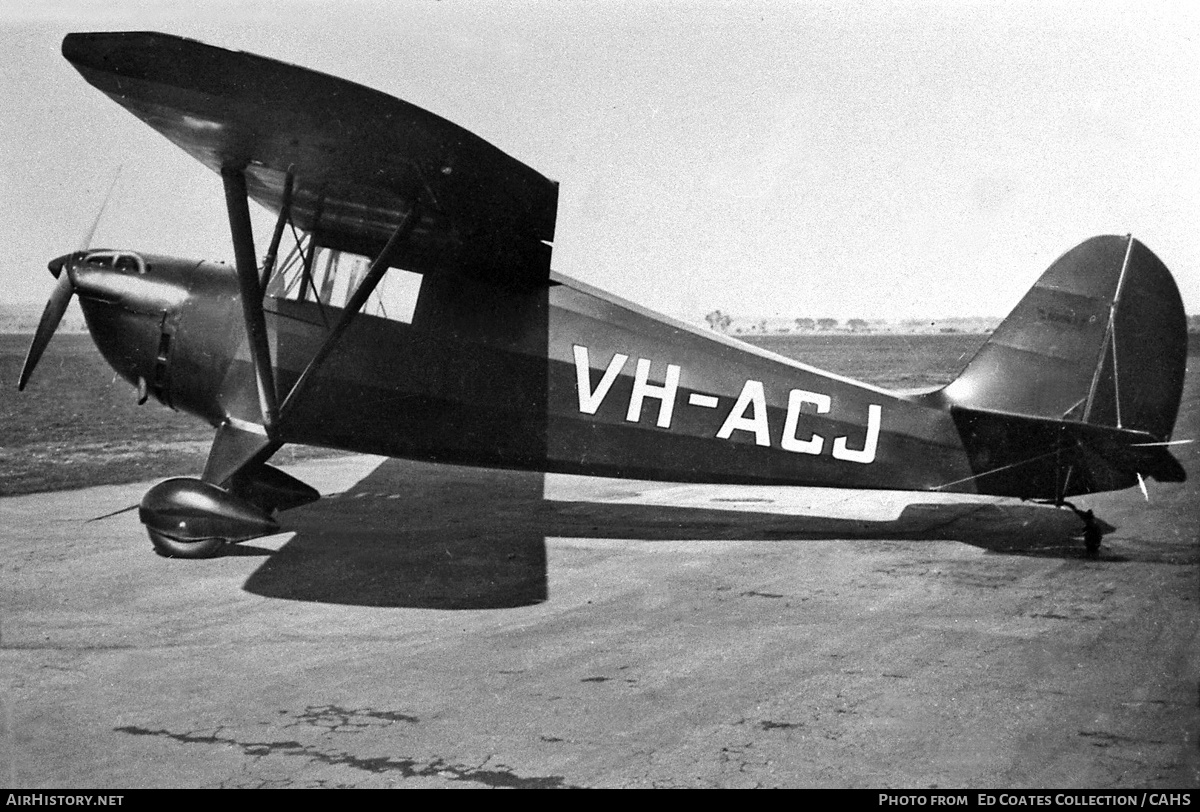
{"x": 174, "y": 548}
{"x": 190, "y": 518}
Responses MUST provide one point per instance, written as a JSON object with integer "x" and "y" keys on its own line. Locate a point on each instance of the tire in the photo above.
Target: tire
{"x": 168, "y": 547}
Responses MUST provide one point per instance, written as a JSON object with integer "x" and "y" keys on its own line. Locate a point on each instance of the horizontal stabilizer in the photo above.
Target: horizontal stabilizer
{"x": 1032, "y": 457}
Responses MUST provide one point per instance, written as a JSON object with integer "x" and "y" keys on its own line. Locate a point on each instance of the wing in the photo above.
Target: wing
{"x": 360, "y": 158}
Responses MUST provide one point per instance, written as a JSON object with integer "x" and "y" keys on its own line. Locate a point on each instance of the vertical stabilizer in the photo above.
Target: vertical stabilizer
{"x": 1100, "y": 339}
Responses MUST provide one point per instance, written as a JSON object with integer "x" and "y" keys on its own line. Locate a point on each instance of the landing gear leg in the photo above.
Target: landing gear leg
{"x": 1091, "y": 536}
{"x": 1091, "y": 530}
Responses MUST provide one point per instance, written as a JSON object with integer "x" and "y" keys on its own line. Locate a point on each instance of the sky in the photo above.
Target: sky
{"x": 880, "y": 160}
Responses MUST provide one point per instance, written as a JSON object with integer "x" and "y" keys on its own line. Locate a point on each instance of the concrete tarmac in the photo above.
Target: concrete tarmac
{"x": 434, "y": 626}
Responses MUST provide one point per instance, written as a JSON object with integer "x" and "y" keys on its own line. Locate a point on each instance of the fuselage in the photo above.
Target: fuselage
{"x": 564, "y": 378}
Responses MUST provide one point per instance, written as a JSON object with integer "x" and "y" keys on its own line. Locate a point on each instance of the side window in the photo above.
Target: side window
{"x": 332, "y": 278}
{"x": 396, "y": 296}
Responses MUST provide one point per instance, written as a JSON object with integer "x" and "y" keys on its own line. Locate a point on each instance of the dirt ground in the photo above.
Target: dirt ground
{"x": 435, "y": 626}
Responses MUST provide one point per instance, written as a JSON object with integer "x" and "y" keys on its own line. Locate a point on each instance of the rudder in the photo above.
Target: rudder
{"x": 1100, "y": 339}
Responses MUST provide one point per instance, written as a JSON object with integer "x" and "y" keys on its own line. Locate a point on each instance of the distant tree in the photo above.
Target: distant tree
{"x": 805, "y": 324}
{"x": 718, "y": 321}
{"x": 856, "y": 325}
{"x": 827, "y": 324}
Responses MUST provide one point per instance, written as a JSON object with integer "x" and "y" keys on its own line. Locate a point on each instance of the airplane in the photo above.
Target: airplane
{"x": 416, "y": 315}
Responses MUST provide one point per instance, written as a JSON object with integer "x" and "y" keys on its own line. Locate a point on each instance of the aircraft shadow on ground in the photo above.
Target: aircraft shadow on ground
{"x": 441, "y": 537}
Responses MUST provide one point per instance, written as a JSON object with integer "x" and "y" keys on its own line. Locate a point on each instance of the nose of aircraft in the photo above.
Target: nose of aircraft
{"x": 56, "y": 265}
{"x": 124, "y": 302}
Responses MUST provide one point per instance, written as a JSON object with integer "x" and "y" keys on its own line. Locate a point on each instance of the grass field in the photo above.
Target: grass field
{"x": 890, "y": 361}
{"x": 77, "y": 425}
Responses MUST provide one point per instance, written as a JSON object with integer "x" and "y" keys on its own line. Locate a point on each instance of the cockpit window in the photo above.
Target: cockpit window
{"x": 128, "y": 263}
{"x": 331, "y": 277}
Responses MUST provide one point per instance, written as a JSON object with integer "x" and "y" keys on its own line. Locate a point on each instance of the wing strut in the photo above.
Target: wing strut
{"x": 251, "y": 292}
{"x": 364, "y": 290}
{"x": 285, "y": 214}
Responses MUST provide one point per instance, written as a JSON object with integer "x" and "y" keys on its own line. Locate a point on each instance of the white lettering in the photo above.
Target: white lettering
{"x": 589, "y": 399}
{"x": 867, "y": 452}
{"x": 642, "y": 389}
{"x": 790, "y": 442}
{"x": 752, "y": 395}
{"x": 707, "y": 401}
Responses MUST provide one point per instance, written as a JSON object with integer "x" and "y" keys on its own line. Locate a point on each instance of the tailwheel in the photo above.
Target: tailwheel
{"x": 168, "y": 547}
{"x": 1092, "y": 534}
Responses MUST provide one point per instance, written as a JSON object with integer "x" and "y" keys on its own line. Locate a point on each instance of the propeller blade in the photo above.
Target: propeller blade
{"x": 63, "y": 290}
{"x": 51, "y": 316}
{"x": 87, "y": 239}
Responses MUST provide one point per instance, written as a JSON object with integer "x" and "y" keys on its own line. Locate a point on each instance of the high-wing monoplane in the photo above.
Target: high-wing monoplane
{"x": 416, "y": 315}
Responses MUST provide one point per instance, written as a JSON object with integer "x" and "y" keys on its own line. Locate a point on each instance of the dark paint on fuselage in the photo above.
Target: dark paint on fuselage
{"x": 486, "y": 375}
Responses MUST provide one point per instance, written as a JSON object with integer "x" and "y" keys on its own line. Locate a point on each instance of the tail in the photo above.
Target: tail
{"x": 1078, "y": 389}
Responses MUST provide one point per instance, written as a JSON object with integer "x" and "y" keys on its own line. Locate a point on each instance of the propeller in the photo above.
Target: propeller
{"x": 61, "y": 268}
{"x": 51, "y": 316}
